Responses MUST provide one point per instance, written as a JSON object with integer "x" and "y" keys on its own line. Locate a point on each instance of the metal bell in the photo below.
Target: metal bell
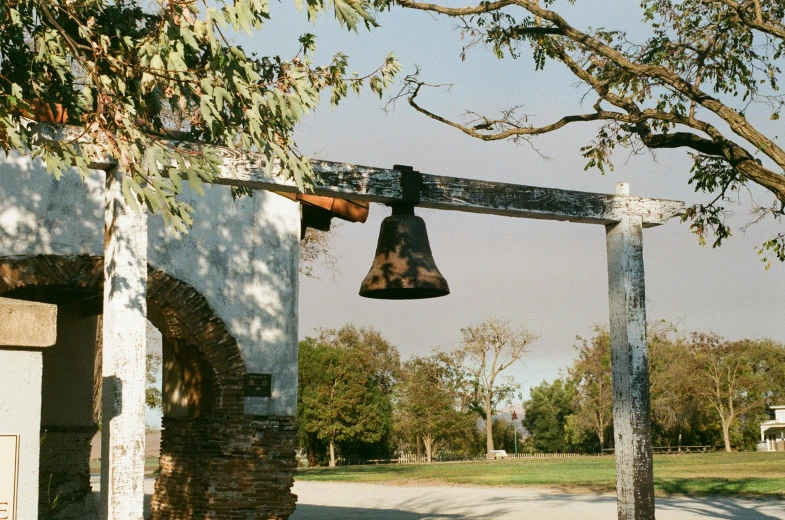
{"x": 403, "y": 268}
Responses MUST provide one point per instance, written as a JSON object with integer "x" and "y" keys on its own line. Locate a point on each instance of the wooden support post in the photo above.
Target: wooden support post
{"x": 124, "y": 346}
{"x": 629, "y": 359}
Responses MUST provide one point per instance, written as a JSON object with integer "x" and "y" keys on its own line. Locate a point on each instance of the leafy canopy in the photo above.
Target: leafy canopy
{"x": 695, "y": 75}
{"x": 427, "y": 405}
{"x": 345, "y": 382}
{"x": 144, "y": 80}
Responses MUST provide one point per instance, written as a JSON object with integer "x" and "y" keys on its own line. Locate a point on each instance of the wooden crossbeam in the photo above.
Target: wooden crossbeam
{"x": 383, "y": 185}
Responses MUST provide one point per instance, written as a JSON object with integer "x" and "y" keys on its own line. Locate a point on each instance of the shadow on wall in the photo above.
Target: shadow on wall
{"x": 242, "y": 255}
{"x": 41, "y": 216}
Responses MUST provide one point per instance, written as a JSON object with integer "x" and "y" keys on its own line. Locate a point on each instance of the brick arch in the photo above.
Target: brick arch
{"x": 219, "y": 465}
{"x": 175, "y": 308}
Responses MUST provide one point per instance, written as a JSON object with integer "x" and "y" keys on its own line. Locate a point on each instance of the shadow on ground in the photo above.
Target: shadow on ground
{"x": 703, "y": 507}
{"x": 512, "y": 503}
{"x": 721, "y": 509}
{"x": 321, "y": 501}
{"x": 312, "y": 512}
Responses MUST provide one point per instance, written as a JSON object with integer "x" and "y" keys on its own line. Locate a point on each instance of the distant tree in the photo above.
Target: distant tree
{"x": 378, "y": 357}
{"x": 427, "y": 407}
{"x": 546, "y": 414}
{"x": 345, "y": 379}
{"x": 737, "y": 378}
{"x": 590, "y": 376}
{"x": 487, "y": 350}
{"x": 504, "y": 434}
{"x": 676, "y": 408}
{"x": 152, "y": 394}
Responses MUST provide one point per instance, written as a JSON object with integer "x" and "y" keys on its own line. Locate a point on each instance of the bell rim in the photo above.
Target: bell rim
{"x": 400, "y": 293}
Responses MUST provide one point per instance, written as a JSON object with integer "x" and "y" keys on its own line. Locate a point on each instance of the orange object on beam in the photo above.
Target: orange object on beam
{"x": 349, "y": 210}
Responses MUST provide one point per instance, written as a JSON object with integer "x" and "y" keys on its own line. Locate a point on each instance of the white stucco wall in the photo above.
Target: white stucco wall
{"x": 20, "y": 399}
{"x": 242, "y": 256}
{"x": 26, "y": 330}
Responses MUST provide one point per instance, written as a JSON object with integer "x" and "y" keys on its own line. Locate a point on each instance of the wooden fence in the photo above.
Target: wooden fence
{"x": 549, "y": 455}
{"x": 411, "y": 458}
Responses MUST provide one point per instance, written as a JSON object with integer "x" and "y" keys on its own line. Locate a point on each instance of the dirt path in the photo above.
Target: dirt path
{"x": 349, "y": 501}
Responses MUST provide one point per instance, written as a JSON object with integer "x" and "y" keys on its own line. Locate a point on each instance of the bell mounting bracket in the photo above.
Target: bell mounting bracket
{"x": 411, "y": 181}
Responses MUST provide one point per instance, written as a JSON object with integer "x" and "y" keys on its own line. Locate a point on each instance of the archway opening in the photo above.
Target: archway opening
{"x": 199, "y": 379}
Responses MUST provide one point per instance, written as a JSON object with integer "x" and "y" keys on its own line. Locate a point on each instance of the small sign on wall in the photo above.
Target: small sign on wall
{"x": 258, "y": 385}
{"x": 9, "y": 470}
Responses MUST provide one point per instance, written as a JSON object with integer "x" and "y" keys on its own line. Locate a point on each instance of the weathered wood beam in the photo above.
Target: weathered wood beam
{"x": 124, "y": 356}
{"x": 383, "y": 185}
{"x": 630, "y": 368}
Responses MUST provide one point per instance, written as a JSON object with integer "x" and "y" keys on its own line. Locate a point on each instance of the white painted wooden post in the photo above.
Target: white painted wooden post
{"x": 629, "y": 359}
{"x": 124, "y": 345}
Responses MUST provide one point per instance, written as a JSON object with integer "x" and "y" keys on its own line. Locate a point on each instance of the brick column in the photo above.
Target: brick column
{"x": 252, "y": 474}
{"x": 226, "y": 468}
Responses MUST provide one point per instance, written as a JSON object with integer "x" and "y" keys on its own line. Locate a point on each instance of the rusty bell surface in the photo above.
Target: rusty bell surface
{"x": 403, "y": 268}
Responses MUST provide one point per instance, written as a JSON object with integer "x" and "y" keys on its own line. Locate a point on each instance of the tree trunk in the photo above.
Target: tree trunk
{"x": 679, "y": 441}
{"x": 602, "y": 440}
{"x": 726, "y": 434}
{"x": 488, "y": 426}
{"x": 311, "y": 456}
{"x": 332, "y": 454}
{"x": 428, "y": 441}
{"x": 419, "y": 445}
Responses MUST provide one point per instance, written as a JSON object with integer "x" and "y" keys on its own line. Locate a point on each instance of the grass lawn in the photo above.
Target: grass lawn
{"x": 729, "y": 474}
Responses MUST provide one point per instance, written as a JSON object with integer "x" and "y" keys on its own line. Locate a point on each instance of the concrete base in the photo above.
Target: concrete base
{"x": 27, "y": 324}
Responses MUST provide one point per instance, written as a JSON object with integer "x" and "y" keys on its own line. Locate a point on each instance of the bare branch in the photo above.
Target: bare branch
{"x": 774, "y": 182}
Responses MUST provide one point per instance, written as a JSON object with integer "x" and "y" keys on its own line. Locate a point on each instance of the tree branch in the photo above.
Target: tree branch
{"x": 718, "y": 144}
{"x": 735, "y": 120}
{"x": 769, "y": 27}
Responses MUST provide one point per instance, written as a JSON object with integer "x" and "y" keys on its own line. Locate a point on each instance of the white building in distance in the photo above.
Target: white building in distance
{"x": 772, "y": 433}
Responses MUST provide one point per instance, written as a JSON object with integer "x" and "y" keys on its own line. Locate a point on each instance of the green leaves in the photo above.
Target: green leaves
{"x": 345, "y": 379}
{"x": 688, "y": 77}
{"x": 144, "y": 81}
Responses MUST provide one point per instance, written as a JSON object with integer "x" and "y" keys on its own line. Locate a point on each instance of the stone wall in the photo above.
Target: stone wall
{"x": 226, "y": 468}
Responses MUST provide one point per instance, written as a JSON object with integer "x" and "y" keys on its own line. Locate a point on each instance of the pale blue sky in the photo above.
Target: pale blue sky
{"x": 550, "y": 276}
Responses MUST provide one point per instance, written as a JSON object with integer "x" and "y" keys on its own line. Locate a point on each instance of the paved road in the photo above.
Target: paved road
{"x": 350, "y": 501}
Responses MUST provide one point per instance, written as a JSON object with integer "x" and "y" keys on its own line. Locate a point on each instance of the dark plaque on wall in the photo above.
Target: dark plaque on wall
{"x": 258, "y": 385}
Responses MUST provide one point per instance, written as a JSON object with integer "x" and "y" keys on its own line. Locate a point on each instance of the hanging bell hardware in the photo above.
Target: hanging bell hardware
{"x": 404, "y": 268}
